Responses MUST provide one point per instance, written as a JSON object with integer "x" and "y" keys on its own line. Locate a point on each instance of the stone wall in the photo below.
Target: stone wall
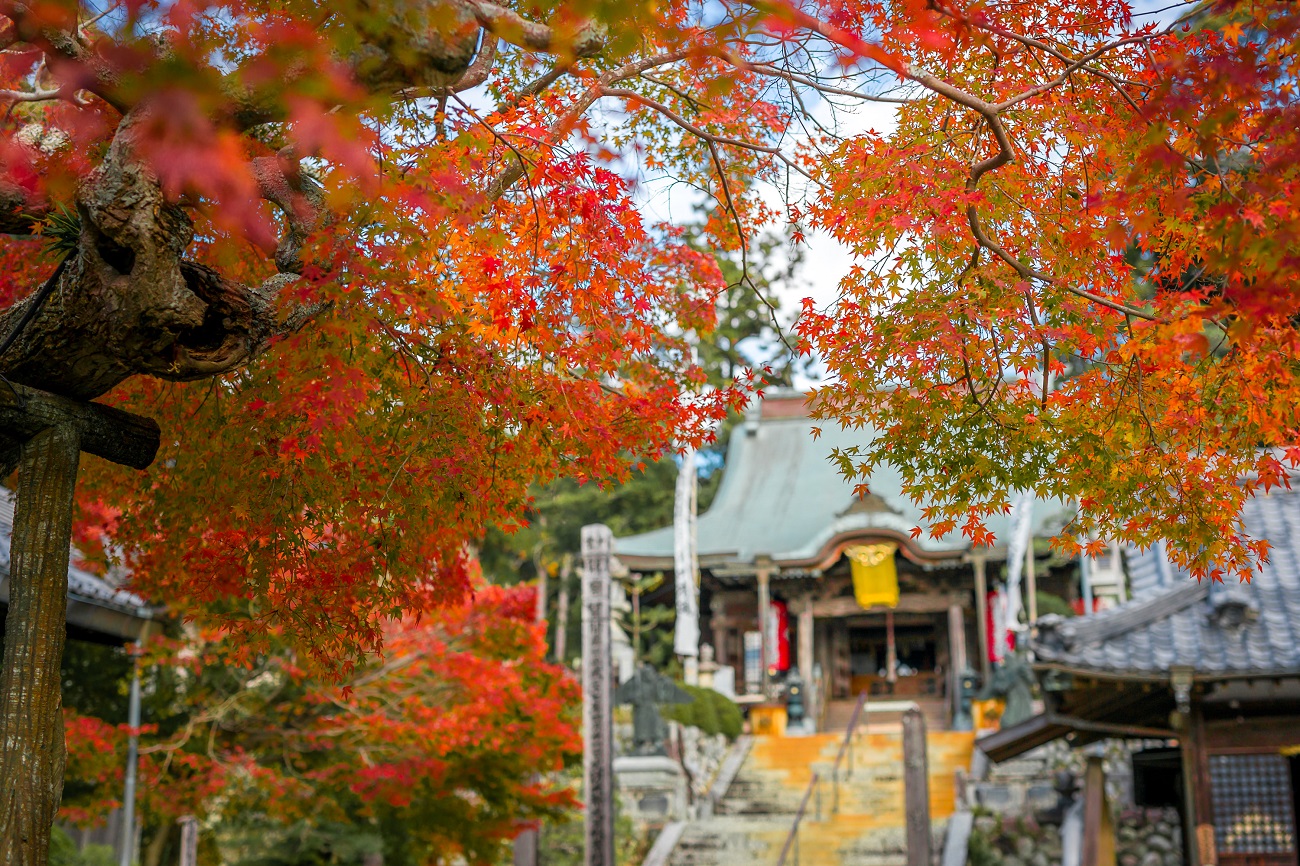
{"x": 697, "y": 757}
{"x": 1026, "y": 785}
{"x": 702, "y": 755}
{"x": 1144, "y": 837}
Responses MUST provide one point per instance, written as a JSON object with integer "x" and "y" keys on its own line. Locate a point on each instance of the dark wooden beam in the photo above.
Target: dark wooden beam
{"x": 117, "y": 436}
{"x": 1113, "y": 729}
{"x": 832, "y": 608}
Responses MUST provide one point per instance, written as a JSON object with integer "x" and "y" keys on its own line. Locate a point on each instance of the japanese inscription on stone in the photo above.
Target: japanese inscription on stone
{"x": 597, "y": 715}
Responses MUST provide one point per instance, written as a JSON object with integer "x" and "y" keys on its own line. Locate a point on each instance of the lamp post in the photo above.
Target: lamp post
{"x": 133, "y": 745}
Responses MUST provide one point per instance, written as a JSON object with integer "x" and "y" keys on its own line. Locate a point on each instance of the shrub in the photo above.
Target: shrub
{"x": 711, "y": 712}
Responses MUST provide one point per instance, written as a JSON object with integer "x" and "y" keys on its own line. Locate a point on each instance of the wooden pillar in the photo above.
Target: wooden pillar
{"x": 189, "y": 840}
{"x": 1196, "y": 775}
{"x": 891, "y": 649}
{"x": 916, "y": 788}
{"x": 31, "y": 700}
{"x": 562, "y": 609}
{"x": 525, "y": 849}
{"x": 981, "y": 614}
{"x": 1098, "y": 827}
{"x": 822, "y": 651}
{"x": 43, "y": 435}
{"x": 539, "y": 614}
{"x": 806, "y": 626}
{"x": 764, "y": 604}
{"x": 956, "y": 656}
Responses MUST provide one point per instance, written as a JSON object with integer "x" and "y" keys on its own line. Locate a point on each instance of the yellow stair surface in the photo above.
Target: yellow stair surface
{"x": 867, "y": 828}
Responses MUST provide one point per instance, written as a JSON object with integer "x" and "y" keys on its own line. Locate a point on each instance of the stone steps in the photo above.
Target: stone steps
{"x": 752, "y": 821}
{"x": 840, "y": 712}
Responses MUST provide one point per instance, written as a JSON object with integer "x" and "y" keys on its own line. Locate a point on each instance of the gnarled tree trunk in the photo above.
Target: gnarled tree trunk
{"x": 31, "y": 699}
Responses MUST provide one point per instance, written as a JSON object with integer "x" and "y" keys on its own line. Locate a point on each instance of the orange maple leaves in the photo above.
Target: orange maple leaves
{"x": 1083, "y": 280}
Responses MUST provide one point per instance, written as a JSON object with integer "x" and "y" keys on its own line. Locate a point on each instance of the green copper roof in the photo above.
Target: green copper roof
{"x": 783, "y": 498}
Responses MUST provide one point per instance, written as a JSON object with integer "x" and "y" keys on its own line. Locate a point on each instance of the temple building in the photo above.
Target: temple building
{"x": 1208, "y": 675}
{"x": 855, "y": 602}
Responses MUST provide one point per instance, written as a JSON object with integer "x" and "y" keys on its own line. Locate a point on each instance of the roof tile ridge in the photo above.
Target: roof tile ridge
{"x": 1116, "y": 621}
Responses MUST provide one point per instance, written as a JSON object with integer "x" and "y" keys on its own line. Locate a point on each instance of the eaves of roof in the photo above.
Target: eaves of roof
{"x": 784, "y": 499}
{"x": 1216, "y": 631}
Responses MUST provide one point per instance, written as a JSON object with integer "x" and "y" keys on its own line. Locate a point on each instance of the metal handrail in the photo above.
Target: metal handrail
{"x": 792, "y": 840}
{"x": 846, "y": 745}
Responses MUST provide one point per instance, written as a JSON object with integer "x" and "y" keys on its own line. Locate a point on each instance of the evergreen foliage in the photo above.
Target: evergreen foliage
{"x": 711, "y": 712}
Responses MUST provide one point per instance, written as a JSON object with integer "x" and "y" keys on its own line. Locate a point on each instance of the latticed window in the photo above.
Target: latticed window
{"x": 1253, "y": 805}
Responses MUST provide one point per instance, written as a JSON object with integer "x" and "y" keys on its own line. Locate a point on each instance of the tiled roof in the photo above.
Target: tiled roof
{"x": 1216, "y": 629}
{"x": 95, "y": 605}
{"x": 782, "y": 497}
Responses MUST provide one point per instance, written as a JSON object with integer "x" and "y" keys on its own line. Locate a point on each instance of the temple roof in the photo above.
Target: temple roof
{"x": 1220, "y": 631}
{"x": 782, "y": 497}
{"x": 97, "y": 610}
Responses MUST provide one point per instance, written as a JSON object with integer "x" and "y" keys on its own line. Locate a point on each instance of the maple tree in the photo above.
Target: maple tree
{"x": 373, "y": 270}
{"x": 439, "y": 751}
{"x": 1077, "y": 278}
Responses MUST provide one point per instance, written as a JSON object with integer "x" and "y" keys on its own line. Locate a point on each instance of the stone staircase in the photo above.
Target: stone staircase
{"x": 839, "y": 712}
{"x": 753, "y": 820}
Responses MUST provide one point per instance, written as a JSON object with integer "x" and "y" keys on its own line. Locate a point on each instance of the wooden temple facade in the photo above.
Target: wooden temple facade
{"x": 780, "y": 537}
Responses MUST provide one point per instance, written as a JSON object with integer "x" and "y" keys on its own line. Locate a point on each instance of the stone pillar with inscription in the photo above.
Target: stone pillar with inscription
{"x": 597, "y": 706}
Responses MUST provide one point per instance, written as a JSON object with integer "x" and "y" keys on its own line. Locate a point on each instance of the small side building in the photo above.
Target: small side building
{"x": 98, "y": 612}
{"x": 1212, "y": 669}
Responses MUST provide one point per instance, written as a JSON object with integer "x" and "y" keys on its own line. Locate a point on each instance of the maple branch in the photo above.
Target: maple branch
{"x": 476, "y": 74}
{"x": 35, "y": 29}
{"x": 82, "y": 28}
{"x": 1070, "y": 69}
{"x": 481, "y": 67}
{"x": 565, "y": 123}
{"x": 990, "y": 112}
{"x": 587, "y": 40}
{"x": 39, "y": 95}
{"x": 744, "y": 247}
{"x": 773, "y": 71}
{"x": 703, "y": 134}
{"x": 281, "y": 181}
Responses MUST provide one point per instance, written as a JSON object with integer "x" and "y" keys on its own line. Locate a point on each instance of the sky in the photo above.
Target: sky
{"x": 826, "y": 261}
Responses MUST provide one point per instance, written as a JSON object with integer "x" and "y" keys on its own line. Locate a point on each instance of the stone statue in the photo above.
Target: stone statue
{"x": 1013, "y": 681}
{"x": 645, "y": 691}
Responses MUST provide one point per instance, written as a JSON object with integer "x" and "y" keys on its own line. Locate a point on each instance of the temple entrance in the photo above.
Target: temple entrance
{"x": 918, "y": 672}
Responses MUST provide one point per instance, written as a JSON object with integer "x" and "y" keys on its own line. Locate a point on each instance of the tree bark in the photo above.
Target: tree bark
{"x": 31, "y": 700}
{"x": 128, "y": 302}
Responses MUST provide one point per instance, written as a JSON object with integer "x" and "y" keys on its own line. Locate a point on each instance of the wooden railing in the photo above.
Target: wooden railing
{"x": 813, "y": 789}
{"x": 846, "y": 745}
{"x": 792, "y": 841}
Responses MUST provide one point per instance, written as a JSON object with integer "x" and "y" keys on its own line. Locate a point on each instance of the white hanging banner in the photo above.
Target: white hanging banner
{"x": 1022, "y": 520}
{"x": 686, "y": 639}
